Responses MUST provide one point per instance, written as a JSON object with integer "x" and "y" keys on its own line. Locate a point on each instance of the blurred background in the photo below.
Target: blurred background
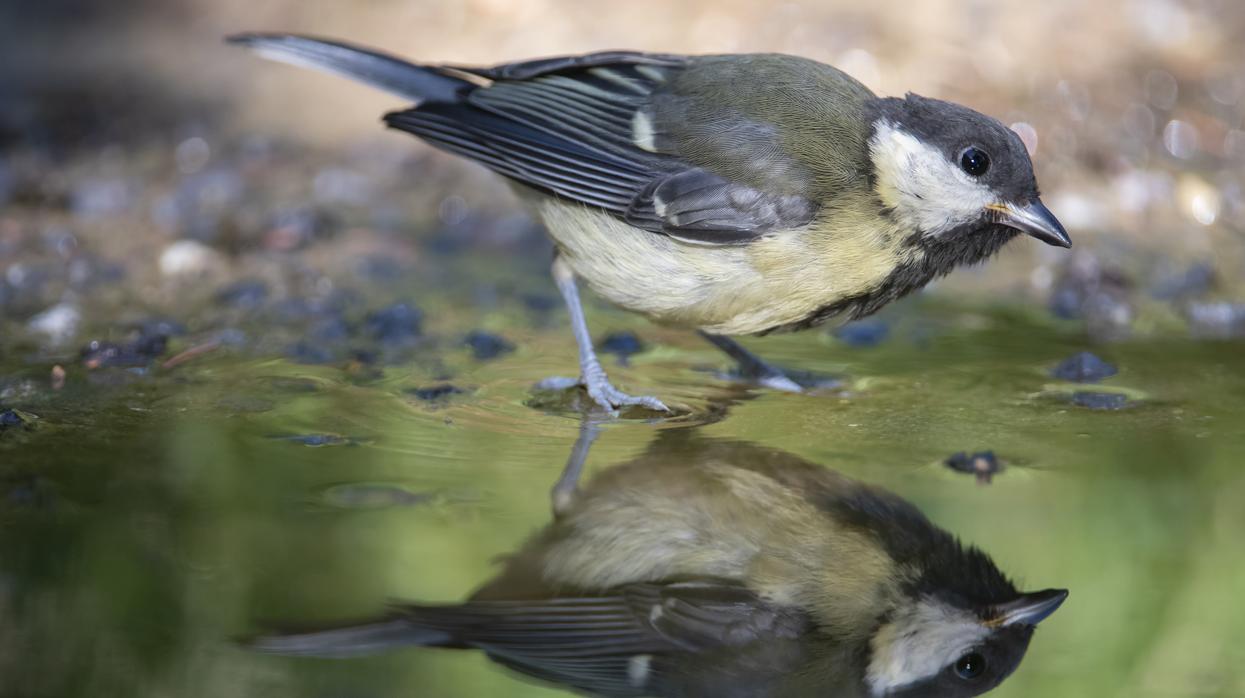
{"x": 262, "y": 360}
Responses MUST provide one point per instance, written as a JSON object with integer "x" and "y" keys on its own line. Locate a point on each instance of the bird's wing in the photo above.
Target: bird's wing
{"x": 614, "y": 644}
{"x": 584, "y": 128}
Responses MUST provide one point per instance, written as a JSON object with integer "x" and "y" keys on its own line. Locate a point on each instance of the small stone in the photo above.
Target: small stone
{"x": 434, "y": 393}
{"x": 1195, "y": 281}
{"x": 307, "y": 352}
{"x": 863, "y": 333}
{"x": 1216, "y": 320}
{"x": 247, "y": 294}
{"x": 316, "y": 440}
{"x": 140, "y": 351}
{"x": 1083, "y": 368}
{"x": 1100, "y": 401}
{"x": 983, "y": 464}
{"x": 621, "y": 344}
{"x": 188, "y": 258}
{"x": 58, "y": 323}
{"x": 400, "y": 324}
{"x": 10, "y": 419}
{"x": 485, "y": 345}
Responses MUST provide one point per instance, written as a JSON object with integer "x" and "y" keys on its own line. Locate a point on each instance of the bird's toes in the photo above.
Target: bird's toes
{"x": 779, "y": 381}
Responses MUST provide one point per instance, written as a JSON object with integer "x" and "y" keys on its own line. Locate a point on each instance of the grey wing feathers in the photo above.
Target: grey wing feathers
{"x": 699, "y": 206}
{"x": 594, "y": 643}
{"x": 525, "y": 70}
{"x": 571, "y": 126}
{"x": 567, "y": 126}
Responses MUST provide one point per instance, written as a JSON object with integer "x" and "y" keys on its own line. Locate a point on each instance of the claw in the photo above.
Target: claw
{"x": 611, "y": 398}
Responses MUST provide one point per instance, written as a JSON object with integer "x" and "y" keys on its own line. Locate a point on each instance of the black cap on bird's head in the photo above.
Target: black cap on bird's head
{"x": 947, "y": 171}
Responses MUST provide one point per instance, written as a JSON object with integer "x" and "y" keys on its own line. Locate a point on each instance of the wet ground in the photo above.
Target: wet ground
{"x": 182, "y": 482}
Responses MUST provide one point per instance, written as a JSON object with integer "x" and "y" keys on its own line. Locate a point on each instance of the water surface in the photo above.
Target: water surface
{"x": 148, "y": 521}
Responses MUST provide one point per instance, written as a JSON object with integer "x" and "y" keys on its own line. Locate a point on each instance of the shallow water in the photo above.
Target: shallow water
{"x": 147, "y": 521}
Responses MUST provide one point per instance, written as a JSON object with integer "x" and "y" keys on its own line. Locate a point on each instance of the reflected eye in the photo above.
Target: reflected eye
{"x": 974, "y": 161}
{"x": 970, "y": 666}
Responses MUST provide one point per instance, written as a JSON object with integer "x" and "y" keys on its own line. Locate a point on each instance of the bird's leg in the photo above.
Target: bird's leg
{"x": 591, "y": 376}
{"x": 590, "y": 372}
{"x": 563, "y": 494}
{"x": 752, "y": 367}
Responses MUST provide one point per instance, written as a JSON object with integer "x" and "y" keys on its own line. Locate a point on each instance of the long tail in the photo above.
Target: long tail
{"x": 350, "y": 641}
{"x": 415, "y": 82}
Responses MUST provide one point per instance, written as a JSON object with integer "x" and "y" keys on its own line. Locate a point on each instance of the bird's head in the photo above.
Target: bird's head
{"x": 935, "y": 646}
{"x": 953, "y": 176}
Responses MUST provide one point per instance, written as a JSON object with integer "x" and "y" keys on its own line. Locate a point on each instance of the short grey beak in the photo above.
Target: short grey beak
{"x": 1029, "y": 609}
{"x": 1033, "y": 219}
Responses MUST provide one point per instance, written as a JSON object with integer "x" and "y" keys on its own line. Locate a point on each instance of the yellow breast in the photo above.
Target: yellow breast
{"x": 779, "y": 279}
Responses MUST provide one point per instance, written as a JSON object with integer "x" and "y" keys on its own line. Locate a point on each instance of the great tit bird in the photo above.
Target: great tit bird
{"x": 716, "y": 568}
{"x": 732, "y": 194}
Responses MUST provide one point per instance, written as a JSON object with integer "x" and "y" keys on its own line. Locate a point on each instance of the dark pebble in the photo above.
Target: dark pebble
{"x": 1100, "y": 401}
{"x": 433, "y": 393}
{"x": 380, "y": 268}
{"x": 863, "y": 333}
{"x": 1195, "y": 281}
{"x": 247, "y": 294}
{"x": 316, "y": 440}
{"x": 1083, "y": 368}
{"x": 485, "y": 345}
{"x": 540, "y": 303}
{"x": 307, "y": 352}
{"x": 400, "y": 323}
{"x": 11, "y": 419}
{"x": 983, "y": 464}
{"x": 160, "y": 326}
{"x": 138, "y": 352}
{"x": 329, "y": 330}
{"x": 1216, "y": 320}
{"x": 621, "y": 344}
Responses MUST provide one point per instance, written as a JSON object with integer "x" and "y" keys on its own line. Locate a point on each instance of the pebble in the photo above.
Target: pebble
{"x": 434, "y": 393}
{"x": 485, "y": 345}
{"x": 10, "y": 419}
{"x": 59, "y": 323}
{"x": 1221, "y": 320}
{"x": 247, "y": 294}
{"x": 189, "y": 258}
{"x": 317, "y": 440}
{"x": 983, "y": 464}
{"x": 621, "y": 344}
{"x": 863, "y": 333}
{"x": 1100, "y": 401}
{"x": 397, "y": 324}
{"x": 140, "y": 351}
{"x": 1193, "y": 282}
{"x": 1083, "y": 368}
{"x": 307, "y": 352}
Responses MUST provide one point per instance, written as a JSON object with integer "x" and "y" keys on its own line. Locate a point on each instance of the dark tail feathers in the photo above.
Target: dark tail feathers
{"x": 349, "y": 641}
{"x": 416, "y": 82}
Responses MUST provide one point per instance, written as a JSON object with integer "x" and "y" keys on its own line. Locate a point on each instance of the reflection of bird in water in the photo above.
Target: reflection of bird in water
{"x": 708, "y": 568}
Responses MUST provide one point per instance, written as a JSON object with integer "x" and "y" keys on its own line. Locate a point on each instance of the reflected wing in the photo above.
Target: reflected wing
{"x": 580, "y": 128}
{"x": 619, "y": 644}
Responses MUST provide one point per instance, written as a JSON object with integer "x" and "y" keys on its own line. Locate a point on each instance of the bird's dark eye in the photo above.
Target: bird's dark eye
{"x": 974, "y": 161}
{"x": 970, "y": 666}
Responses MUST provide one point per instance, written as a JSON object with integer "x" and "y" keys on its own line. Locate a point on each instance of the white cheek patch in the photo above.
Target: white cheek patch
{"x": 928, "y": 192}
{"x": 919, "y": 642}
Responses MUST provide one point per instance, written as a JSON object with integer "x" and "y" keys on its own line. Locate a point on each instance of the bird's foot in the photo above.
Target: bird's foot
{"x": 604, "y": 394}
{"x": 788, "y": 381}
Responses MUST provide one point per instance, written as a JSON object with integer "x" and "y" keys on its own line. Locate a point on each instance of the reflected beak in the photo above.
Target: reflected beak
{"x": 1032, "y": 219}
{"x": 1029, "y": 609}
